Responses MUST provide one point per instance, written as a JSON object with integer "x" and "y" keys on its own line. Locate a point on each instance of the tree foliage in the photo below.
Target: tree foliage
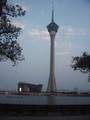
{"x": 82, "y": 63}
{"x": 9, "y": 47}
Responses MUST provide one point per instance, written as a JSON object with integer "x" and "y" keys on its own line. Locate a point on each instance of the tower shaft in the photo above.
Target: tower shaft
{"x": 52, "y": 83}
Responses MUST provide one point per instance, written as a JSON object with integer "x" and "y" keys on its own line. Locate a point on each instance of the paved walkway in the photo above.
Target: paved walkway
{"x": 45, "y": 118}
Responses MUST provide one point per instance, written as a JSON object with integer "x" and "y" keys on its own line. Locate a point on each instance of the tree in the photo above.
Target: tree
{"x": 9, "y": 47}
{"x": 82, "y": 63}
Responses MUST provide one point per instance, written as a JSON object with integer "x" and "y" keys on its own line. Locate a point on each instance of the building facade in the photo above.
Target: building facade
{"x": 27, "y": 87}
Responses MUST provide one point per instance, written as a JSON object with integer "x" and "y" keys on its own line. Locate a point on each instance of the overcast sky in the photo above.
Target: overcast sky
{"x": 72, "y": 39}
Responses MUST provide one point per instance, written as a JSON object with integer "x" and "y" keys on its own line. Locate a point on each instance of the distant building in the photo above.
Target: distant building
{"x": 27, "y": 87}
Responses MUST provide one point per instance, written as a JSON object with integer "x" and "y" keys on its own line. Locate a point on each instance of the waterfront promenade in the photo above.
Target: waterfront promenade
{"x": 80, "y": 117}
{"x": 34, "y": 105}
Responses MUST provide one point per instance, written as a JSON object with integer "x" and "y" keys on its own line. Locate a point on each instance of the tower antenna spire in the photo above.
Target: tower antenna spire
{"x": 52, "y": 11}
